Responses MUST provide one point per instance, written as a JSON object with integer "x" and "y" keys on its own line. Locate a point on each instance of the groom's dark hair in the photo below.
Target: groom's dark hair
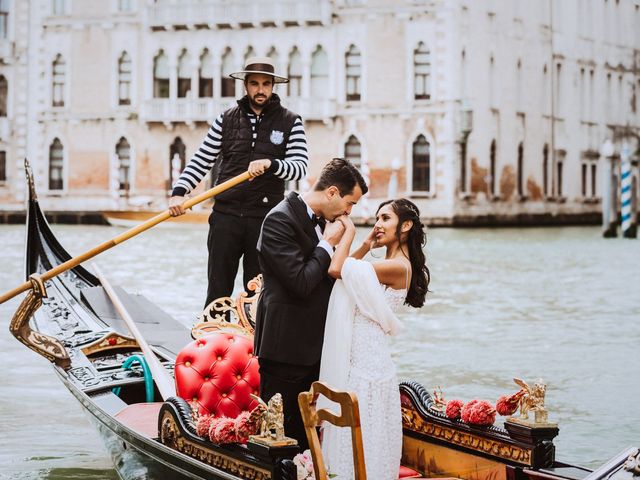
{"x": 342, "y": 174}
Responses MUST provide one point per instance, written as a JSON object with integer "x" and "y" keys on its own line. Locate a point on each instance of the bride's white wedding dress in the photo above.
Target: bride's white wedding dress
{"x": 366, "y": 369}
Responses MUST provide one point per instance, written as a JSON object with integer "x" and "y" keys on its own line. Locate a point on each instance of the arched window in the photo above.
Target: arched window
{"x": 3, "y": 96}
{"x": 58, "y": 76}
{"x": 273, "y": 55}
{"x": 123, "y": 152}
{"x": 492, "y": 168}
{"x": 353, "y": 151}
{"x": 4, "y": 18}
{"x": 559, "y": 161}
{"x": 421, "y": 162}
{"x": 177, "y": 148}
{"x": 184, "y": 74}
{"x": 59, "y": 7}
{"x": 545, "y": 170}
{"x": 492, "y": 83}
{"x": 353, "y": 68}
{"x": 161, "y": 76}
{"x": 422, "y": 72}
{"x": 295, "y": 73}
{"x": 125, "y": 5}
{"x": 3, "y": 166}
{"x": 56, "y": 165}
{"x": 124, "y": 79}
{"x": 463, "y": 74}
{"x": 520, "y": 179}
{"x": 319, "y": 72}
{"x": 228, "y": 86}
{"x": 205, "y": 75}
{"x": 519, "y": 84}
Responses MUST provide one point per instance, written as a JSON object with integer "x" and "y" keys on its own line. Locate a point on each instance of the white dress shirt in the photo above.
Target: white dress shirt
{"x": 323, "y": 243}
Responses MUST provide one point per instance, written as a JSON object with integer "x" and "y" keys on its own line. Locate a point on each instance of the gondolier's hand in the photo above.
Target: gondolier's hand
{"x": 258, "y": 167}
{"x": 175, "y": 206}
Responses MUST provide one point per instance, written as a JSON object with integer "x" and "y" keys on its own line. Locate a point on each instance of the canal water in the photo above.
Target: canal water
{"x": 562, "y": 304}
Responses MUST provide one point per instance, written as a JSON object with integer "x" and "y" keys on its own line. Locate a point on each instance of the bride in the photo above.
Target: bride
{"x": 355, "y": 355}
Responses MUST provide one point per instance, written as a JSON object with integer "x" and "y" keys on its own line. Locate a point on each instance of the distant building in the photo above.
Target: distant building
{"x": 481, "y": 111}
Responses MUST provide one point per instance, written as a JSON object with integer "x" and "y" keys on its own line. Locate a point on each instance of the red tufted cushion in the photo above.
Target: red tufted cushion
{"x": 218, "y": 371}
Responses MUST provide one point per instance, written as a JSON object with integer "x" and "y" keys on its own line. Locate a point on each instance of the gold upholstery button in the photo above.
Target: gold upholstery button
{"x": 219, "y": 357}
{"x": 187, "y": 364}
{"x": 224, "y": 395}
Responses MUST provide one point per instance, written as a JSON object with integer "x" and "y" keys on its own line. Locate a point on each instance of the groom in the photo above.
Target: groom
{"x": 294, "y": 253}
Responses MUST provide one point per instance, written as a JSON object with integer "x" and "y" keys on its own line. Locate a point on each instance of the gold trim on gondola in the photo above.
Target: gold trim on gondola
{"x": 413, "y": 421}
{"x": 171, "y": 437}
{"x": 111, "y": 341}
{"x": 50, "y": 348}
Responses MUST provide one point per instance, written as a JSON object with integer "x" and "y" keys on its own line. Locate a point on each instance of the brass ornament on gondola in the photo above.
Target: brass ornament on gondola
{"x": 532, "y": 401}
{"x": 49, "y": 347}
{"x": 271, "y": 430}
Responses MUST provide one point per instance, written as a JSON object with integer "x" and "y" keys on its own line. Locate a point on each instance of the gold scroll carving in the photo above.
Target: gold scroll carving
{"x": 412, "y": 420}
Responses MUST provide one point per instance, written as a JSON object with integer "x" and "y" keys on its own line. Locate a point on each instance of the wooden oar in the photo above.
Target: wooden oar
{"x": 163, "y": 380}
{"x": 152, "y": 222}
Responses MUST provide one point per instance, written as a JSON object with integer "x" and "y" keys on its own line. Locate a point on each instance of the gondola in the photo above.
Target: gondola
{"x": 75, "y": 327}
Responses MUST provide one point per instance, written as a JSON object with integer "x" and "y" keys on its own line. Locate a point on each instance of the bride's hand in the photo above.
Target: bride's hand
{"x": 370, "y": 241}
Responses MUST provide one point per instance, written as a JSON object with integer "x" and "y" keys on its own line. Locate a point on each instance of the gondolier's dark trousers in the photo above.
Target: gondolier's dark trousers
{"x": 231, "y": 237}
{"x": 288, "y": 380}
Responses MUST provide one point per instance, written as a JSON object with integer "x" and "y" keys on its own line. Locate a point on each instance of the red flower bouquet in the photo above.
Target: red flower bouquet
{"x": 222, "y": 430}
{"x": 508, "y": 404}
{"x": 453, "y": 409}
{"x": 478, "y": 412}
{"x": 203, "y": 424}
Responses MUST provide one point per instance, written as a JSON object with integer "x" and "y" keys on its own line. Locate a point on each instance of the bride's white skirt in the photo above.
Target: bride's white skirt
{"x": 372, "y": 377}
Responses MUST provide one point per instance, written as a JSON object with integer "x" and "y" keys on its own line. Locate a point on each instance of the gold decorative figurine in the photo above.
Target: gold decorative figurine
{"x": 271, "y": 430}
{"x": 532, "y": 400}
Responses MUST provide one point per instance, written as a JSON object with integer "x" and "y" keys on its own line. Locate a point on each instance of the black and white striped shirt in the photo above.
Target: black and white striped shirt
{"x": 292, "y": 167}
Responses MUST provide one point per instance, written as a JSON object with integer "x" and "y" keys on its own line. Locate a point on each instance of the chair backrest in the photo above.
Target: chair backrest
{"x": 230, "y": 314}
{"x": 218, "y": 372}
{"x": 349, "y": 417}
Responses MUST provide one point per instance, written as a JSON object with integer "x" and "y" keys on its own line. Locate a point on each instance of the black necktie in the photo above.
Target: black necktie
{"x": 321, "y": 222}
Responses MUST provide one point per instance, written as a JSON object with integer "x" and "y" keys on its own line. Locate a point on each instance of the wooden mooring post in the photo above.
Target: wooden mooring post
{"x": 609, "y": 193}
{"x": 627, "y": 195}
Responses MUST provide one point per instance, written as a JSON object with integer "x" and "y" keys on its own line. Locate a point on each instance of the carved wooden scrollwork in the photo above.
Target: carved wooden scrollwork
{"x": 44, "y": 345}
{"x": 228, "y": 314}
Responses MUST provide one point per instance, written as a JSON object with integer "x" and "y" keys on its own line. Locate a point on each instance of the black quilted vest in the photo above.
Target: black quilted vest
{"x": 255, "y": 198}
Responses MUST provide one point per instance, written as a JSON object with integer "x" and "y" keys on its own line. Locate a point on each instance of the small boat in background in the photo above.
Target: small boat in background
{"x": 131, "y": 218}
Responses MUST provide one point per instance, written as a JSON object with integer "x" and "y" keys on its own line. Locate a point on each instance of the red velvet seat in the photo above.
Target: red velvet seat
{"x": 218, "y": 371}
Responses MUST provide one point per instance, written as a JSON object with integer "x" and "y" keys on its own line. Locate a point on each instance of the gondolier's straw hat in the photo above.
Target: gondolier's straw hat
{"x": 262, "y": 65}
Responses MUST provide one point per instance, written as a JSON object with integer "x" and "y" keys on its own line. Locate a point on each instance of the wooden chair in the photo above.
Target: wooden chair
{"x": 349, "y": 417}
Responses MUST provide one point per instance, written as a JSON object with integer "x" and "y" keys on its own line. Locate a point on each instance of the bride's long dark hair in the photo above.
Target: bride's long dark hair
{"x": 416, "y": 239}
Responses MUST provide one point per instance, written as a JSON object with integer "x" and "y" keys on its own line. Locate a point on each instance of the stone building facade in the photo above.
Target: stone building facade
{"x": 481, "y": 111}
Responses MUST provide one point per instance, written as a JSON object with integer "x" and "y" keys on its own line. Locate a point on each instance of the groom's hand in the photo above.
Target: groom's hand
{"x": 333, "y": 232}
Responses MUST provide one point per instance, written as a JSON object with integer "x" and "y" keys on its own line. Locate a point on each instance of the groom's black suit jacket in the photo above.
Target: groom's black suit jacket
{"x": 292, "y": 308}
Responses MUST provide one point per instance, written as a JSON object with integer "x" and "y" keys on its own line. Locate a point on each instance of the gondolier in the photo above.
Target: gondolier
{"x": 258, "y": 135}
